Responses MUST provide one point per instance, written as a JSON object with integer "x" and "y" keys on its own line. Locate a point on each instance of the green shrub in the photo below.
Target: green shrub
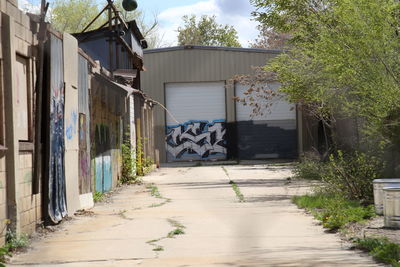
{"x": 310, "y": 167}
{"x": 147, "y": 165}
{"x": 352, "y": 174}
{"x": 98, "y": 196}
{"x": 334, "y": 211}
{"x": 381, "y": 249}
{"x": 15, "y": 241}
{"x": 128, "y": 164}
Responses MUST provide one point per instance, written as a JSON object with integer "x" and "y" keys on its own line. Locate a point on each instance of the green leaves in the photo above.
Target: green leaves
{"x": 344, "y": 57}
{"x": 206, "y": 31}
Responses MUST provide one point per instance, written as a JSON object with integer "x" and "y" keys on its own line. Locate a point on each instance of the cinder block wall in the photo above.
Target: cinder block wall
{"x": 3, "y": 204}
{"x": 28, "y": 205}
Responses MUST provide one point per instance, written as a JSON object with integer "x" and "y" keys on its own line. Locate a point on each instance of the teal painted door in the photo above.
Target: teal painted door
{"x": 103, "y": 159}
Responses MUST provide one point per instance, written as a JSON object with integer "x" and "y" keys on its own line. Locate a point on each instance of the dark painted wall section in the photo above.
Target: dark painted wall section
{"x": 96, "y": 45}
{"x": 260, "y": 140}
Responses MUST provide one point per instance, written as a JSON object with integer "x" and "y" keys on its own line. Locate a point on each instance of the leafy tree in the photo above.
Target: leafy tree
{"x": 206, "y": 31}
{"x": 73, "y": 16}
{"x": 270, "y": 39}
{"x": 344, "y": 59}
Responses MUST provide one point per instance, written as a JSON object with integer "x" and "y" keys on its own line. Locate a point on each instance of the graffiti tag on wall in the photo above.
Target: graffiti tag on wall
{"x": 71, "y": 129}
{"x": 197, "y": 140}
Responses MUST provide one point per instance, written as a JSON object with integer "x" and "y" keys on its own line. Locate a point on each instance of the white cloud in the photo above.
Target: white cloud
{"x": 232, "y": 12}
{"x": 32, "y": 6}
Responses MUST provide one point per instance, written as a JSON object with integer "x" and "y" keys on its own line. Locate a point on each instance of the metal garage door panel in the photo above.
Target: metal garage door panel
{"x": 280, "y": 110}
{"x": 271, "y": 135}
{"x": 196, "y": 129}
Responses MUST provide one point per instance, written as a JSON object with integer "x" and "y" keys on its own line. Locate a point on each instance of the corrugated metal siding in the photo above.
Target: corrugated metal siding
{"x": 83, "y": 86}
{"x": 279, "y": 110}
{"x": 198, "y": 126}
{"x": 195, "y": 65}
{"x": 85, "y": 181}
{"x": 57, "y": 207}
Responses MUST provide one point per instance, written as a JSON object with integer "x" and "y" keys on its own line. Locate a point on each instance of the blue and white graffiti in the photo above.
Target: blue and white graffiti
{"x": 196, "y": 140}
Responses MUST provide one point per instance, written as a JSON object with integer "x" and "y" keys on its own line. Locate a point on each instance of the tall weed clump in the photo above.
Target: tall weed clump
{"x": 351, "y": 174}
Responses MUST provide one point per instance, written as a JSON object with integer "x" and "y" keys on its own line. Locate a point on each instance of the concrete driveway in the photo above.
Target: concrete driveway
{"x": 212, "y": 227}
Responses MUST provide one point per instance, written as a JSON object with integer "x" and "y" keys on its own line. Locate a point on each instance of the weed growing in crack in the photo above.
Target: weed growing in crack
{"x": 14, "y": 242}
{"x": 167, "y": 200}
{"x": 98, "y": 197}
{"x": 178, "y": 228}
{"x": 158, "y": 248}
{"x": 177, "y": 231}
{"x": 123, "y": 215}
{"x": 154, "y": 191}
{"x": 236, "y": 189}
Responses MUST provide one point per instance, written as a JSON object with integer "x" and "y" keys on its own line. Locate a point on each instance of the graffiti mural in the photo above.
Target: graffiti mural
{"x": 196, "y": 140}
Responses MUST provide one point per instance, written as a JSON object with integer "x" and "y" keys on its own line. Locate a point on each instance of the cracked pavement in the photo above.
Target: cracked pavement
{"x": 265, "y": 230}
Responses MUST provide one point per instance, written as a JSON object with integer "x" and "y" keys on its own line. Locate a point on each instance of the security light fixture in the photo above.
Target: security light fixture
{"x": 129, "y": 5}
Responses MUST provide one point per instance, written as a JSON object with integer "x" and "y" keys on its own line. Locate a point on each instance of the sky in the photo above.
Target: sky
{"x": 233, "y": 12}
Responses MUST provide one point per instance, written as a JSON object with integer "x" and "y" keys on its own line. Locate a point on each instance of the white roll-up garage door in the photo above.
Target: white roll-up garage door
{"x": 196, "y": 121}
{"x": 271, "y": 135}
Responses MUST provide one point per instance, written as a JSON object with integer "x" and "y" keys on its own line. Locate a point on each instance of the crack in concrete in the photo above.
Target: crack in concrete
{"x": 79, "y": 261}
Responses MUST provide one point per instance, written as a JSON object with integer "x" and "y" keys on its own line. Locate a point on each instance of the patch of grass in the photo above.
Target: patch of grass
{"x": 167, "y": 200}
{"x": 154, "y": 241}
{"x": 98, "y": 196}
{"x": 158, "y": 248}
{"x": 381, "y": 249}
{"x": 14, "y": 242}
{"x": 236, "y": 189}
{"x": 225, "y": 170}
{"x": 310, "y": 167}
{"x": 154, "y": 191}
{"x": 334, "y": 212}
{"x": 4, "y": 252}
{"x": 178, "y": 228}
{"x": 122, "y": 213}
{"x": 177, "y": 231}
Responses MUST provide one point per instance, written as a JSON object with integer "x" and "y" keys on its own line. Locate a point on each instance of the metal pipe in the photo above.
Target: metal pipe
{"x": 98, "y": 15}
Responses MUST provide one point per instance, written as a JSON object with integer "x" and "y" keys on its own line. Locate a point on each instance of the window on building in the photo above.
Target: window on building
{"x": 23, "y": 99}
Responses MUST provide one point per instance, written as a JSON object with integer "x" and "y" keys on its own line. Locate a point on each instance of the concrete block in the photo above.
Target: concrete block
{"x": 25, "y": 21}
{"x": 72, "y": 180}
{"x": 24, "y": 218}
{"x": 2, "y": 163}
{"x": 22, "y": 47}
{"x": 3, "y": 212}
{"x": 12, "y": 10}
{"x": 86, "y": 201}
{"x": 28, "y": 36}
{"x": 13, "y": 2}
{"x": 2, "y": 196}
{"x": 19, "y": 13}
{"x": 3, "y": 180}
{"x": 3, "y": 6}
{"x": 28, "y": 160}
{"x": 19, "y": 31}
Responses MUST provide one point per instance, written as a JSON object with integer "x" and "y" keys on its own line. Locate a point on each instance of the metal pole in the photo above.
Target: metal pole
{"x": 110, "y": 49}
{"x": 38, "y": 101}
